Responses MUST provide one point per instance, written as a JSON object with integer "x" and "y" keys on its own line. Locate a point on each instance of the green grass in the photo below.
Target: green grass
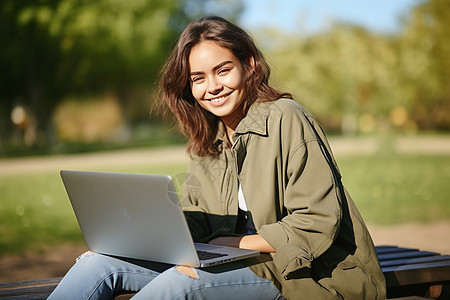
{"x": 393, "y": 188}
{"x": 388, "y": 189}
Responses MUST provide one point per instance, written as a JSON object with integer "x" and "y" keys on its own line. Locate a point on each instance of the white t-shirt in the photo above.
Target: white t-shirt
{"x": 242, "y": 204}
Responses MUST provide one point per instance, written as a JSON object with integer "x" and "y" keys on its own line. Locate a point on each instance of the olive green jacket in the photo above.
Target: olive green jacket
{"x": 292, "y": 187}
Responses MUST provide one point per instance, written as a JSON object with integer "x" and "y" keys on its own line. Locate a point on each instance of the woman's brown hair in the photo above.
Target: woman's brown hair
{"x": 198, "y": 124}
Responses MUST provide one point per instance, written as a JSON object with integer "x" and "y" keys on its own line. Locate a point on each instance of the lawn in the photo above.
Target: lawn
{"x": 393, "y": 189}
{"x": 388, "y": 189}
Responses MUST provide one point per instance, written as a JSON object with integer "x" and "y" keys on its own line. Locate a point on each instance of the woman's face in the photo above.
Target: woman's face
{"x": 217, "y": 80}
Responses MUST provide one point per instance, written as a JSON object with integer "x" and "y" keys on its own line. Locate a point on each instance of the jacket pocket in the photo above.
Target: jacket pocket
{"x": 345, "y": 276}
{"x": 290, "y": 258}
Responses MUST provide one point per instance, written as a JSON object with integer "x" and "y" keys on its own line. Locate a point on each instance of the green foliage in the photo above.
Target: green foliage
{"x": 87, "y": 45}
{"x": 54, "y": 49}
{"x": 342, "y": 72}
{"x": 425, "y": 63}
{"x": 57, "y": 48}
{"x": 352, "y": 79}
{"x": 355, "y": 80}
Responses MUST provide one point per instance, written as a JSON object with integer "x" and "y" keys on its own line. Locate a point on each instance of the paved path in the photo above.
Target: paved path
{"x": 435, "y": 144}
{"x": 132, "y": 157}
{"x": 176, "y": 154}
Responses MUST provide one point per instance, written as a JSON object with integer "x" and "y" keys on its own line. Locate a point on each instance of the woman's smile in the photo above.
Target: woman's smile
{"x": 219, "y": 101}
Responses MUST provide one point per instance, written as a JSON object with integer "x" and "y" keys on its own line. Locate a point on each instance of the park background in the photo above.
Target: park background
{"x": 77, "y": 83}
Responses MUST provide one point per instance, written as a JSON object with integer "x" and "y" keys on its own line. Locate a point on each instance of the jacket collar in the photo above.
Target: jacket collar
{"x": 255, "y": 122}
{"x": 256, "y": 119}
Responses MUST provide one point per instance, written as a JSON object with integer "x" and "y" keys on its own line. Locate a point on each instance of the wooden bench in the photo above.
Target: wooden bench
{"x": 409, "y": 273}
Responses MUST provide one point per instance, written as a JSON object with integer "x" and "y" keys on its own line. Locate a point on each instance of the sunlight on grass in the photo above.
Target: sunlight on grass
{"x": 390, "y": 189}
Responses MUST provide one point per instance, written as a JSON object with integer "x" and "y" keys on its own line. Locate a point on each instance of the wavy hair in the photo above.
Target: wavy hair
{"x": 198, "y": 124}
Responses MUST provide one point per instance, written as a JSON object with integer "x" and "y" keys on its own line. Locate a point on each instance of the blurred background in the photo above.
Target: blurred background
{"x": 77, "y": 80}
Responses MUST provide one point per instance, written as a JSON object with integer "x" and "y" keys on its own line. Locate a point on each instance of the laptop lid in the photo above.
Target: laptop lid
{"x": 137, "y": 216}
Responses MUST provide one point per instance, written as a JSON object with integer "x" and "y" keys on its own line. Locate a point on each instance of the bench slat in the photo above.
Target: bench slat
{"x": 432, "y": 272}
{"x": 38, "y": 296}
{"x": 414, "y": 260}
{"x": 29, "y": 283}
{"x": 400, "y": 255}
{"x": 30, "y": 290}
{"x": 392, "y": 249}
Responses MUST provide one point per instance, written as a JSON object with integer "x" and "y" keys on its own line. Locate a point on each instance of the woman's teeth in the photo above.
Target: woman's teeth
{"x": 218, "y": 99}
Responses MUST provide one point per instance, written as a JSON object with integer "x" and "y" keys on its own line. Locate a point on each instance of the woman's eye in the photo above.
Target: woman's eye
{"x": 196, "y": 79}
{"x": 223, "y": 71}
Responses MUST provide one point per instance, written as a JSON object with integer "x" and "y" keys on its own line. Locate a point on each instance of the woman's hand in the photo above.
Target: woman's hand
{"x": 251, "y": 242}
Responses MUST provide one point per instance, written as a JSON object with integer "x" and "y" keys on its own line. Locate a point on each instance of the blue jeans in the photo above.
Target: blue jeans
{"x": 97, "y": 276}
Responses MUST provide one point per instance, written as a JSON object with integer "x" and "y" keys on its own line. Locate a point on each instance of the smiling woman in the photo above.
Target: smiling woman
{"x": 234, "y": 56}
{"x": 261, "y": 176}
{"x": 218, "y": 82}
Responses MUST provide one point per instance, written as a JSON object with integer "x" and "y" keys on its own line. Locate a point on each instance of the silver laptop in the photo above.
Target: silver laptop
{"x": 139, "y": 216}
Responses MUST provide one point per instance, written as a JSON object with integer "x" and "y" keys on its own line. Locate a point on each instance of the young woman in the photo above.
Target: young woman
{"x": 261, "y": 176}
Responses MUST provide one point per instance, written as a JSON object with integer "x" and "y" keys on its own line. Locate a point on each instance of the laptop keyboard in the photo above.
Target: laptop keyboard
{"x": 203, "y": 255}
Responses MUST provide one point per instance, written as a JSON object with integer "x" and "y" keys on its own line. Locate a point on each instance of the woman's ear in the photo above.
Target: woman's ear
{"x": 251, "y": 67}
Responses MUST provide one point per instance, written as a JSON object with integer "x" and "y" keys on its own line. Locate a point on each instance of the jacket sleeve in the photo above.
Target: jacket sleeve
{"x": 312, "y": 204}
{"x": 196, "y": 216}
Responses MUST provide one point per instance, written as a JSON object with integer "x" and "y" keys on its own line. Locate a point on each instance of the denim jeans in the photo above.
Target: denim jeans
{"x": 97, "y": 276}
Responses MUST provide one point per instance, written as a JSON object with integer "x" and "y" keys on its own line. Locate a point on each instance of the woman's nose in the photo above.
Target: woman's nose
{"x": 214, "y": 87}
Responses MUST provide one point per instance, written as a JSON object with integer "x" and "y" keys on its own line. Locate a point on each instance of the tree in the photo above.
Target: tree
{"x": 345, "y": 75}
{"x": 425, "y": 64}
{"x": 56, "y": 48}
{"x": 354, "y": 79}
